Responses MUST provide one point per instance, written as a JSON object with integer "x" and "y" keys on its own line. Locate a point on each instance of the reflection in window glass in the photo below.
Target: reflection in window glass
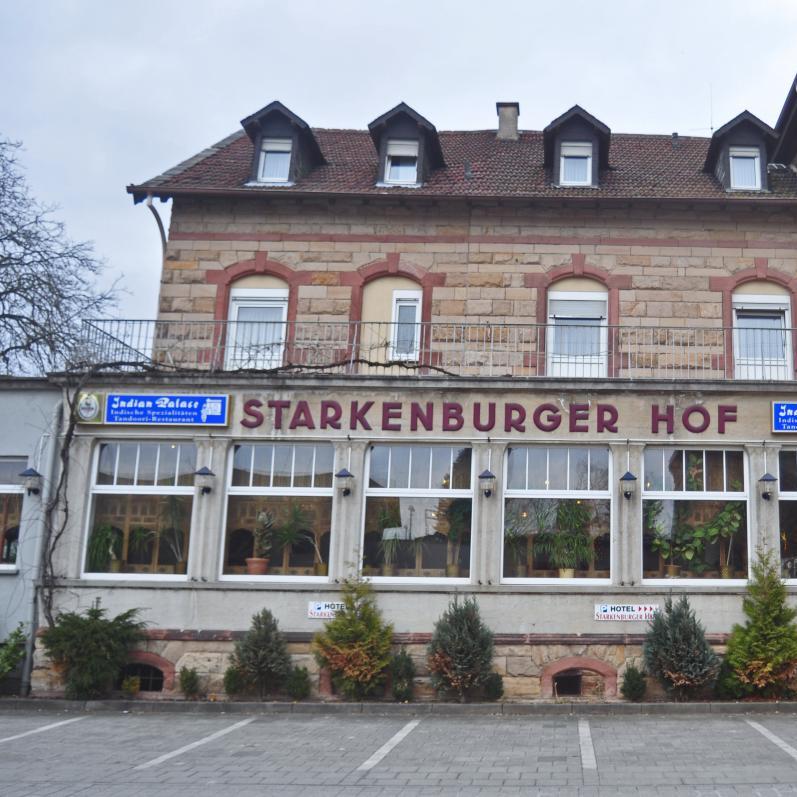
{"x": 441, "y": 466}
{"x": 788, "y": 537}
{"x": 283, "y": 464}
{"x": 557, "y": 469}
{"x": 260, "y": 459}
{"x": 516, "y": 469}
{"x": 579, "y": 468}
{"x": 167, "y": 464}
{"x": 147, "y": 462}
{"x": 107, "y": 463}
{"x": 788, "y": 471}
{"x": 673, "y": 470}
{"x": 599, "y": 468}
{"x": 421, "y": 459}
{"x": 378, "y": 469}
{"x": 399, "y": 467}
{"x": 10, "y": 513}
{"x": 303, "y": 467}
{"x": 324, "y": 456}
{"x": 654, "y": 469}
{"x": 715, "y": 471}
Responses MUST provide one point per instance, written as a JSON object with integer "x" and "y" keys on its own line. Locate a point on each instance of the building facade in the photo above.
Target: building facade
{"x": 552, "y": 369}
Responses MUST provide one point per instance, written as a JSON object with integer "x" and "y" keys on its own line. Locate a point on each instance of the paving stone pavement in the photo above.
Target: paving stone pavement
{"x": 102, "y": 754}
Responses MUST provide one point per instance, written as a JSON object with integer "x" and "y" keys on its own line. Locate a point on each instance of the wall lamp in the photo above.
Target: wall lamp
{"x": 204, "y": 479}
{"x": 31, "y": 480}
{"x": 345, "y": 481}
{"x": 628, "y": 485}
{"x": 766, "y": 486}
{"x": 487, "y": 482}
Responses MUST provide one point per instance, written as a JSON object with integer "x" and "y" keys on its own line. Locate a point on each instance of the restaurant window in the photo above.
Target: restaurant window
{"x": 279, "y": 510}
{"x": 11, "y": 492}
{"x": 557, "y": 512}
{"x": 787, "y": 509}
{"x": 142, "y": 499}
{"x": 694, "y": 514}
{"x": 418, "y": 509}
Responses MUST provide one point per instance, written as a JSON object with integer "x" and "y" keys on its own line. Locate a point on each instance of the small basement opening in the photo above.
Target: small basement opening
{"x": 567, "y": 684}
{"x": 151, "y": 677}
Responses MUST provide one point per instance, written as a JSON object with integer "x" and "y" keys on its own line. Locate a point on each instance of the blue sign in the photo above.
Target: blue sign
{"x": 189, "y": 409}
{"x": 784, "y": 416}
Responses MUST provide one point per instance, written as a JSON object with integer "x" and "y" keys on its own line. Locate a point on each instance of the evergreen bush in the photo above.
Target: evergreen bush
{"x": 461, "y": 650}
{"x": 402, "y": 675}
{"x": 676, "y": 650}
{"x": 298, "y": 684}
{"x": 494, "y": 686}
{"x": 634, "y": 684}
{"x": 763, "y": 652}
{"x": 92, "y": 649}
{"x": 234, "y": 682}
{"x": 728, "y": 686}
{"x": 261, "y": 657}
{"x": 12, "y": 651}
{"x": 189, "y": 682}
{"x": 355, "y": 644}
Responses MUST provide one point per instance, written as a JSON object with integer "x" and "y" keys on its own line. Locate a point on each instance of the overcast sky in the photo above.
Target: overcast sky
{"x": 103, "y": 94}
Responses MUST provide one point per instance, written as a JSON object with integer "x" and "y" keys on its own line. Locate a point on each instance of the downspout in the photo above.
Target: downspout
{"x": 159, "y": 222}
{"x": 48, "y": 484}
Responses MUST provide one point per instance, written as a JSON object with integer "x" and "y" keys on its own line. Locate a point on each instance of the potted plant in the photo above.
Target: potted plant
{"x": 390, "y": 548}
{"x": 569, "y": 547}
{"x": 171, "y": 530}
{"x": 104, "y": 549}
{"x": 458, "y": 516}
{"x": 294, "y": 530}
{"x": 257, "y": 564}
{"x": 517, "y": 529}
{"x": 722, "y": 528}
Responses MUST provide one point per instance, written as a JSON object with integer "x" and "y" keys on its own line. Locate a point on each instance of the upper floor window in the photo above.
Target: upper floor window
{"x": 11, "y": 492}
{"x": 256, "y": 332}
{"x": 406, "y": 327}
{"x": 576, "y": 164}
{"x": 762, "y": 348}
{"x": 745, "y": 168}
{"x": 401, "y": 165}
{"x": 577, "y": 333}
{"x": 275, "y": 160}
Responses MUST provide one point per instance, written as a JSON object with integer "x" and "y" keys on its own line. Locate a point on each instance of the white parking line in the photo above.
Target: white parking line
{"x": 787, "y": 748}
{"x": 198, "y": 743}
{"x": 585, "y": 742}
{"x": 42, "y": 729}
{"x": 388, "y": 746}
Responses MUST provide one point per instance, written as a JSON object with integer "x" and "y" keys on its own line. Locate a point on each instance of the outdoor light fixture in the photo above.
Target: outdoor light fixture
{"x": 345, "y": 481}
{"x": 487, "y": 482}
{"x": 31, "y": 480}
{"x": 628, "y": 485}
{"x": 204, "y": 479}
{"x": 766, "y": 485}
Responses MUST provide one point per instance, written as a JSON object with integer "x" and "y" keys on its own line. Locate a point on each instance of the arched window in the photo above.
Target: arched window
{"x": 391, "y": 314}
{"x": 151, "y": 677}
{"x": 761, "y": 339}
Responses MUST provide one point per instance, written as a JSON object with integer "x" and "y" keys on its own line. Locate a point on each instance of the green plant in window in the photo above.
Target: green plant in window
{"x": 518, "y": 527}
{"x": 458, "y": 517}
{"x": 172, "y": 523}
{"x": 724, "y": 526}
{"x": 570, "y": 546}
{"x": 104, "y": 547}
{"x": 294, "y": 530}
{"x": 262, "y": 535}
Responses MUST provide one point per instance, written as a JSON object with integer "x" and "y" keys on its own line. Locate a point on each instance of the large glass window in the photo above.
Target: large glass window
{"x": 141, "y": 508}
{"x": 787, "y": 507}
{"x": 557, "y": 512}
{"x": 279, "y": 510}
{"x": 418, "y": 512}
{"x": 11, "y": 492}
{"x": 694, "y": 513}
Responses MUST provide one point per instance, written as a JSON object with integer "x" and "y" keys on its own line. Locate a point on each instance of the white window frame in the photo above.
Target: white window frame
{"x": 255, "y": 297}
{"x": 746, "y": 153}
{"x": 566, "y": 493}
{"x": 404, "y": 298}
{"x": 697, "y": 495}
{"x": 419, "y": 492}
{"x": 274, "y": 145}
{"x": 790, "y": 496}
{"x": 768, "y": 369}
{"x": 15, "y": 489}
{"x": 133, "y": 489}
{"x": 401, "y": 148}
{"x": 265, "y": 492}
{"x": 575, "y": 149}
{"x": 578, "y": 365}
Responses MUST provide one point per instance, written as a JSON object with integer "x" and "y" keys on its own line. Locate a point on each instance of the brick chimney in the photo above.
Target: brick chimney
{"x": 508, "y": 113}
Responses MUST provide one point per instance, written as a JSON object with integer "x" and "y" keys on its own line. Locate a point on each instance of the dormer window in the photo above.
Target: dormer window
{"x": 401, "y": 166}
{"x": 745, "y": 168}
{"x": 576, "y": 163}
{"x": 275, "y": 160}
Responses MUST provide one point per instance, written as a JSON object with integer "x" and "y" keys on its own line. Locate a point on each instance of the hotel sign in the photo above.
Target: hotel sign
{"x": 625, "y": 612}
{"x": 173, "y": 409}
{"x": 323, "y": 610}
{"x": 784, "y": 416}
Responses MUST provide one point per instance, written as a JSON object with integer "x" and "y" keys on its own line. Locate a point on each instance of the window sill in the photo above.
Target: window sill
{"x": 399, "y": 185}
{"x": 8, "y": 570}
{"x": 269, "y": 184}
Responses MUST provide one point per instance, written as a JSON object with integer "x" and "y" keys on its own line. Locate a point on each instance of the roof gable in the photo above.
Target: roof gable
{"x": 577, "y": 113}
{"x": 427, "y": 129}
{"x": 744, "y": 119}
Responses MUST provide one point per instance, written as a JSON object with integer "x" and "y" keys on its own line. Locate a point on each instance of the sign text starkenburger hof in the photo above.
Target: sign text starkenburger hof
{"x": 154, "y": 409}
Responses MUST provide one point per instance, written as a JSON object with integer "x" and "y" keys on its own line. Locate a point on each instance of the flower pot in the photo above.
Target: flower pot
{"x": 520, "y": 571}
{"x": 321, "y": 568}
{"x": 388, "y": 570}
{"x": 726, "y": 571}
{"x": 567, "y": 572}
{"x": 452, "y": 571}
{"x": 180, "y": 567}
{"x": 673, "y": 571}
{"x": 255, "y": 566}
{"x": 116, "y": 566}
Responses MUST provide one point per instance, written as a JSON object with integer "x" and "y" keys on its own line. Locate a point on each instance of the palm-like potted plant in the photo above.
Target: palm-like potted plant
{"x": 458, "y": 516}
{"x": 257, "y": 564}
{"x": 722, "y": 528}
{"x": 518, "y": 526}
{"x": 569, "y": 547}
{"x": 104, "y": 549}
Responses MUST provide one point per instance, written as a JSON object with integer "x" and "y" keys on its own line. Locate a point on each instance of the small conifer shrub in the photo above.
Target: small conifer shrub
{"x": 634, "y": 684}
{"x": 189, "y": 682}
{"x": 92, "y": 649}
{"x": 261, "y": 657}
{"x": 676, "y": 651}
{"x": 298, "y": 683}
{"x": 355, "y": 644}
{"x": 494, "y": 686}
{"x": 461, "y": 650}
{"x": 402, "y": 675}
{"x": 12, "y": 651}
{"x": 234, "y": 682}
{"x": 763, "y": 652}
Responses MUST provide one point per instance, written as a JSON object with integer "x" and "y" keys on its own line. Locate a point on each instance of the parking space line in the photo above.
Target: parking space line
{"x": 166, "y": 756}
{"x": 588, "y": 760}
{"x": 42, "y": 729}
{"x": 388, "y": 746}
{"x": 776, "y": 740}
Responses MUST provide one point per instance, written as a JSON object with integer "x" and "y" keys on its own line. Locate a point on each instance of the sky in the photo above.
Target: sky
{"x": 104, "y": 94}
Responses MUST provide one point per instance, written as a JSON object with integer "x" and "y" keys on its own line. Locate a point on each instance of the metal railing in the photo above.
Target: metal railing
{"x": 566, "y": 348}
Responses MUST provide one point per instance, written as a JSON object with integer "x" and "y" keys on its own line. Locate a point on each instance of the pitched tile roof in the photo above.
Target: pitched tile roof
{"x": 478, "y": 165}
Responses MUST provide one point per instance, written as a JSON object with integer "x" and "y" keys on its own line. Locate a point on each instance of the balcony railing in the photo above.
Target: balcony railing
{"x": 567, "y": 348}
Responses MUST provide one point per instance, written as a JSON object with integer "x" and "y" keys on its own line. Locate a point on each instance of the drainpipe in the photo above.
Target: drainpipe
{"x": 159, "y": 222}
{"x": 48, "y": 483}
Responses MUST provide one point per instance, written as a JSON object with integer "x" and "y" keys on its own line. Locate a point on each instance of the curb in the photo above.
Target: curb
{"x": 539, "y": 709}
